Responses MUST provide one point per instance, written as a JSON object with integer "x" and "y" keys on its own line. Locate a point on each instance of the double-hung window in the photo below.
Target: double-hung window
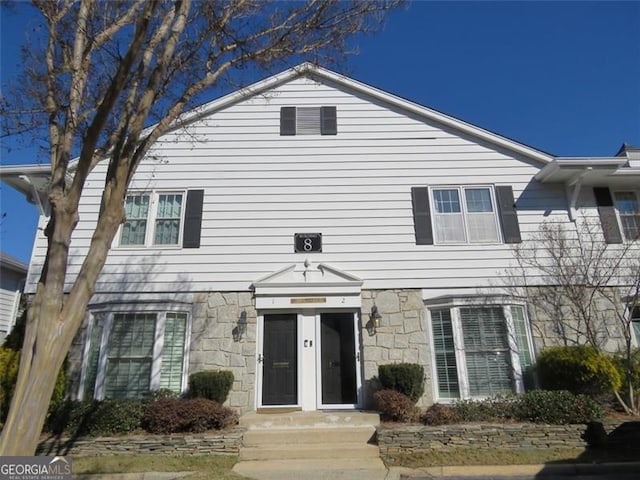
{"x": 128, "y": 354}
{"x": 479, "y": 351}
{"x": 628, "y": 207}
{"x": 635, "y": 323}
{"x": 464, "y": 215}
{"x": 153, "y": 219}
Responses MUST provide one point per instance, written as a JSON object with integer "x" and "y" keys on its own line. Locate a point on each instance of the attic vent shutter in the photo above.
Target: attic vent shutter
{"x": 308, "y": 121}
{"x": 288, "y": 121}
{"x": 328, "y": 121}
{"x": 607, "y": 212}
{"x": 193, "y": 219}
{"x": 422, "y": 215}
{"x": 508, "y": 214}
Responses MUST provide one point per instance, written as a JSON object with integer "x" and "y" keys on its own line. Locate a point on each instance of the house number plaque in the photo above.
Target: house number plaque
{"x": 307, "y": 242}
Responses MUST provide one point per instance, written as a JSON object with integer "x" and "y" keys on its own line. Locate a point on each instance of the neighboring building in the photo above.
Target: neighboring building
{"x": 12, "y": 277}
{"x": 309, "y": 228}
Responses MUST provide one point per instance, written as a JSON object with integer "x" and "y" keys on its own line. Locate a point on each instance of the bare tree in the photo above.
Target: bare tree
{"x": 101, "y": 73}
{"x": 584, "y": 288}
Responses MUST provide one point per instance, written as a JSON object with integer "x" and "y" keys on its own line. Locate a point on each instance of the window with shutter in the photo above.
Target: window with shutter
{"x": 464, "y": 215}
{"x": 628, "y": 209}
{"x": 635, "y": 322}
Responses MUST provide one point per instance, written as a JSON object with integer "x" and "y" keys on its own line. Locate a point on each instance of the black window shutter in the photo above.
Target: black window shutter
{"x": 328, "y": 121}
{"x": 422, "y": 215}
{"x": 508, "y": 214}
{"x": 288, "y": 121}
{"x": 193, "y": 219}
{"x": 607, "y": 212}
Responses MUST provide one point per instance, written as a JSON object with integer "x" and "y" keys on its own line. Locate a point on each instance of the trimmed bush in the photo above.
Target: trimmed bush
{"x": 9, "y": 365}
{"x": 212, "y": 385}
{"x": 195, "y": 415}
{"x": 96, "y": 418}
{"x": 395, "y": 406}
{"x": 493, "y": 409}
{"x": 406, "y": 378}
{"x": 439, "y": 414}
{"x": 578, "y": 369}
{"x": 556, "y": 407}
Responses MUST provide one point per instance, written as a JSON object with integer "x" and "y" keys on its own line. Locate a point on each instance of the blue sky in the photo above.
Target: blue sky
{"x": 563, "y": 77}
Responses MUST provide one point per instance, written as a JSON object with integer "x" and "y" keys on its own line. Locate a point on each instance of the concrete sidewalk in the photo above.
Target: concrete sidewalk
{"x": 401, "y": 473}
{"x": 538, "y": 471}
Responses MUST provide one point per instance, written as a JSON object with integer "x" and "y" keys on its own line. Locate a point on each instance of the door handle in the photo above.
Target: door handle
{"x": 260, "y": 358}
{"x": 306, "y": 343}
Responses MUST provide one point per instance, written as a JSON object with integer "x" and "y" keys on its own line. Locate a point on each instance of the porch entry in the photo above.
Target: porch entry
{"x": 309, "y": 360}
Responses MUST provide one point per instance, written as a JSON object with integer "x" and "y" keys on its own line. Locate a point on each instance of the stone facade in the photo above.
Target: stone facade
{"x": 214, "y": 345}
{"x": 401, "y": 337}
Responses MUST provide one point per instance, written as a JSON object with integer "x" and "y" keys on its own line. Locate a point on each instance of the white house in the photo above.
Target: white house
{"x": 12, "y": 276}
{"x": 309, "y": 228}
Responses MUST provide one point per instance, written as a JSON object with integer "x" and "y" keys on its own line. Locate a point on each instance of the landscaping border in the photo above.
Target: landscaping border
{"x": 218, "y": 443}
{"x": 402, "y": 439}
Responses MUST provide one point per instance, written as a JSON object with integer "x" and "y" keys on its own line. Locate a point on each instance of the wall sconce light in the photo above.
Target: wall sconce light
{"x": 374, "y": 321}
{"x": 241, "y": 328}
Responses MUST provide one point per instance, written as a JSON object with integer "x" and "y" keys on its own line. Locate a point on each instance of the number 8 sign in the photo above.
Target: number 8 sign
{"x": 307, "y": 242}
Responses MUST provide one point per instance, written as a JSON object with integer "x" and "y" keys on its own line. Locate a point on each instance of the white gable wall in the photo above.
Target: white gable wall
{"x": 354, "y": 188}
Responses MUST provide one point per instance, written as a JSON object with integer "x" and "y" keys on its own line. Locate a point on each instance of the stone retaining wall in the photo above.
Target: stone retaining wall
{"x": 411, "y": 438}
{"x": 217, "y": 443}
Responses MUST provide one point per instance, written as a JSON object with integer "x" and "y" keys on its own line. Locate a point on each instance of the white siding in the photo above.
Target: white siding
{"x": 354, "y": 188}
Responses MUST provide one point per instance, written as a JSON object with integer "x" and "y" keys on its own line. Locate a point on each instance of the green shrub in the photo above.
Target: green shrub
{"x": 96, "y": 418}
{"x": 395, "y": 406}
{"x": 212, "y": 385}
{"x": 9, "y": 365}
{"x": 170, "y": 415}
{"x": 556, "y": 407}
{"x": 578, "y": 369}
{"x": 493, "y": 409}
{"x": 407, "y": 378}
{"x": 629, "y": 370}
{"x": 439, "y": 414}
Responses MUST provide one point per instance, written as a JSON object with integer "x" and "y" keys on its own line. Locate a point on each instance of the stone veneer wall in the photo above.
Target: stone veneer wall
{"x": 417, "y": 438}
{"x": 215, "y": 316}
{"x": 401, "y": 337}
{"x": 220, "y": 443}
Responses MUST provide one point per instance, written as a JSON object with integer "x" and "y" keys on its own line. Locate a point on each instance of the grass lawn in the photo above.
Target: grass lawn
{"x": 215, "y": 467}
{"x": 435, "y": 458}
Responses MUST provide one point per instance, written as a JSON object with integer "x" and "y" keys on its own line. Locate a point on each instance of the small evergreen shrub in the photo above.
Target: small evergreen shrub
{"x": 439, "y": 414}
{"x": 493, "y": 409}
{"x": 195, "y": 415}
{"x": 212, "y": 385}
{"x": 406, "y": 378}
{"x": 556, "y": 407}
{"x": 578, "y": 369}
{"x": 395, "y": 406}
{"x": 9, "y": 365}
{"x": 97, "y": 418}
{"x": 629, "y": 370}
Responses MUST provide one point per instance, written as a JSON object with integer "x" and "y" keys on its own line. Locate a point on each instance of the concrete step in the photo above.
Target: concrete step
{"x": 349, "y": 418}
{"x": 278, "y": 436}
{"x": 328, "y": 452}
{"x": 324, "y": 469}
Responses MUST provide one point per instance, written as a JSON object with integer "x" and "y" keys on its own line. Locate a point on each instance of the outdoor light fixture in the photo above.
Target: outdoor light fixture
{"x": 241, "y": 328}
{"x": 374, "y": 321}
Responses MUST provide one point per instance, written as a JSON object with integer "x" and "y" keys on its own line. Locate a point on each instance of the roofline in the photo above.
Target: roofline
{"x": 585, "y": 163}
{"x": 11, "y": 263}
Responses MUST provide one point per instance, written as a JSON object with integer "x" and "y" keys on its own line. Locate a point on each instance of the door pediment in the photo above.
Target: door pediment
{"x": 308, "y": 286}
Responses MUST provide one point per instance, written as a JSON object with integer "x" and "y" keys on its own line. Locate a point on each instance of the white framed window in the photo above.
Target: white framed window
{"x": 129, "y": 353}
{"x": 464, "y": 214}
{"x": 479, "y": 351}
{"x": 153, "y": 219}
{"x": 627, "y": 205}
